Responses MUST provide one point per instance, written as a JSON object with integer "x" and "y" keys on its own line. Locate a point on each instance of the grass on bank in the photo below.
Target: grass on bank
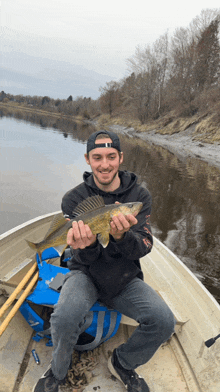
{"x": 20, "y": 107}
{"x": 206, "y": 126}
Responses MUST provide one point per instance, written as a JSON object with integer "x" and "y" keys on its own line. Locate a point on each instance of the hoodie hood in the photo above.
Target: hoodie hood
{"x": 128, "y": 181}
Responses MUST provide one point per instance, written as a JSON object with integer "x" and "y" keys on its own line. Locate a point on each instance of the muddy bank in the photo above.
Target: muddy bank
{"x": 181, "y": 144}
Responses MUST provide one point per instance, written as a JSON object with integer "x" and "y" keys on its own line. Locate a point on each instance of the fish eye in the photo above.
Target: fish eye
{"x": 130, "y": 205}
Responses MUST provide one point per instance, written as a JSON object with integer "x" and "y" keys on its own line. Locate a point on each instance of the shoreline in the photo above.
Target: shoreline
{"x": 181, "y": 144}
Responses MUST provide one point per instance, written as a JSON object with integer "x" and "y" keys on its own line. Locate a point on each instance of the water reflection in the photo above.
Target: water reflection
{"x": 186, "y": 207}
{"x": 186, "y": 197}
{"x": 66, "y": 125}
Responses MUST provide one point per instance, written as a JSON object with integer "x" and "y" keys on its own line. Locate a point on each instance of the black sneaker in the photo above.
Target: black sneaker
{"x": 131, "y": 380}
{"x": 47, "y": 383}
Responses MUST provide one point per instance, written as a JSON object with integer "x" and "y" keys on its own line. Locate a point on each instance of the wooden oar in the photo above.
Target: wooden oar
{"x": 18, "y": 289}
{"x": 18, "y": 303}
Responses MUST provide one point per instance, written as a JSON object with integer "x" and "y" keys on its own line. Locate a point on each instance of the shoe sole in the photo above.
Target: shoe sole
{"x": 41, "y": 377}
{"x": 113, "y": 371}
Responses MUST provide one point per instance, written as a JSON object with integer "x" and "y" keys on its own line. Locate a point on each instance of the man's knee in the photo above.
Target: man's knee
{"x": 63, "y": 319}
{"x": 161, "y": 320}
{"x": 167, "y": 324}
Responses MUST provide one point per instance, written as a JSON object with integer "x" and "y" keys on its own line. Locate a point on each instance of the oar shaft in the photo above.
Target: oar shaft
{"x": 17, "y": 290}
{"x": 18, "y": 303}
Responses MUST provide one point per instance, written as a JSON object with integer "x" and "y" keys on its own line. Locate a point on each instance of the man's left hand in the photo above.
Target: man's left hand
{"x": 120, "y": 224}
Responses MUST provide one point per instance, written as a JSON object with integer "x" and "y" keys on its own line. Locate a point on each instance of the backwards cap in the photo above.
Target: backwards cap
{"x": 92, "y": 138}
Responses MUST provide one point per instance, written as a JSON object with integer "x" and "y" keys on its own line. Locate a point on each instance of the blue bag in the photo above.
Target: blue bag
{"x": 100, "y": 325}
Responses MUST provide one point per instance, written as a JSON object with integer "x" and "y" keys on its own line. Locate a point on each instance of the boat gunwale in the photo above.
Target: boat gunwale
{"x": 7, "y": 234}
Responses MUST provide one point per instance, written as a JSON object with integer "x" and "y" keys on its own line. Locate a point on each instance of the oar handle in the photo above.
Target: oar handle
{"x": 17, "y": 290}
{"x": 18, "y": 303}
{"x": 211, "y": 341}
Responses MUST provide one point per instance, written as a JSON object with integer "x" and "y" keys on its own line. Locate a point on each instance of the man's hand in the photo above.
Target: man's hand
{"x": 120, "y": 224}
{"x": 80, "y": 236}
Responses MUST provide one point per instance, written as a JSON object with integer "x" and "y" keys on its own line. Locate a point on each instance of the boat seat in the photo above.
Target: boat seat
{"x": 179, "y": 319}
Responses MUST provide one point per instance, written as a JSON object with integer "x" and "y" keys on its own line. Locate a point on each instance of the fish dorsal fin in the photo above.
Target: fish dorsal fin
{"x": 57, "y": 222}
{"x": 89, "y": 204}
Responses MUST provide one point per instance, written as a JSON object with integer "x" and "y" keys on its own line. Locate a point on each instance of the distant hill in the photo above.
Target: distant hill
{"x": 29, "y": 75}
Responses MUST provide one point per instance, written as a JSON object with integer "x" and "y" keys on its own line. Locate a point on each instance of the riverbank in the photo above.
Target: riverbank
{"x": 181, "y": 144}
{"x": 186, "y": 139}
{"x": 14, "y": 107}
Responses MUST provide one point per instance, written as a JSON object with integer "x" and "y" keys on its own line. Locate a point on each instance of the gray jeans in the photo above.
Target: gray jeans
{"x": 138, "y": 301}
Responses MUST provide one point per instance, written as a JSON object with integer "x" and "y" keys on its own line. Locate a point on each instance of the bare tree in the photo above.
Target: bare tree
{"x": 109, "y": 97}
{"x": 182, "y": 60}
{"x": 149, "y": 65}
{"x": 161, "y": 54}
{"x": 202, "y": 21}
{"x": 207, "y": 65}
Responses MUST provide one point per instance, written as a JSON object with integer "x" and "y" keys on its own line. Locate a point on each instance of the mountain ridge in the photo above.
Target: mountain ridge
{"x": 31, "y": 75}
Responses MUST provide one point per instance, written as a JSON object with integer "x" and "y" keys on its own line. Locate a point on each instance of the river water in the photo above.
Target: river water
{"x": 41, "y": 158}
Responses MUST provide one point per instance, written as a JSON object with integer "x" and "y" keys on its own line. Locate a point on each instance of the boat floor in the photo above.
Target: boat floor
{"x": 19, "y": 371}
{"x": 162, "y": 374}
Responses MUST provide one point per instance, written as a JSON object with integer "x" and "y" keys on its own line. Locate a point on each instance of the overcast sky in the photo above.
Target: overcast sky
{"x": 96, "y": 34}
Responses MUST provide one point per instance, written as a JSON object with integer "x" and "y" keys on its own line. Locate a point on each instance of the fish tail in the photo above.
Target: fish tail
{"x": 34, "y": 246}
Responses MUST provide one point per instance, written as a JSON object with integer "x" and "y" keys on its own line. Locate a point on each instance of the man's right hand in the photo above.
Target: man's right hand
{"x": 80, "y": 236}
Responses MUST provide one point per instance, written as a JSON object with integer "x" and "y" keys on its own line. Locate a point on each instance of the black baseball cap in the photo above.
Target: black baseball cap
{"x": 92, "y": 138}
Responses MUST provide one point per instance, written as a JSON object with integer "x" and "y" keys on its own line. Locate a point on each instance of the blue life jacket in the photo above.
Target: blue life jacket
{"x": 101, "y": 323}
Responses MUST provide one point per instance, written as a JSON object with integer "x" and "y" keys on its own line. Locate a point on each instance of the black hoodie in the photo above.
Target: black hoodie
{"x": 111, "y": 268}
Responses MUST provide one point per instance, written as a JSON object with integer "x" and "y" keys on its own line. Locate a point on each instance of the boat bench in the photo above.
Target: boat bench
{"x": 179, "y": 319}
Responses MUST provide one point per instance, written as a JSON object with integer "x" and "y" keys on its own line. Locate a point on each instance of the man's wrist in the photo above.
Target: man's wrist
{"x": 93, "y": 245}
{"x": 117, "y": 239}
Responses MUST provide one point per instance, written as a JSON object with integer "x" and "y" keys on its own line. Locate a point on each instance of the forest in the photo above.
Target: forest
{"x": 176, "y": 77}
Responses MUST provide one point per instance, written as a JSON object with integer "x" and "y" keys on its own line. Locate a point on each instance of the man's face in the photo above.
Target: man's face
{"x": 105, "y": 163}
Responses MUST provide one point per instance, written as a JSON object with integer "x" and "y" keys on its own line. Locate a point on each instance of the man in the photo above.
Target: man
{"x": 111, "y": 274}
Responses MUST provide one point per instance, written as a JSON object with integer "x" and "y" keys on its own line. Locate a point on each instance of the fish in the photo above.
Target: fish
{"x": 93, "y": 212}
